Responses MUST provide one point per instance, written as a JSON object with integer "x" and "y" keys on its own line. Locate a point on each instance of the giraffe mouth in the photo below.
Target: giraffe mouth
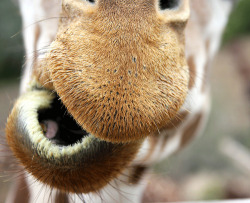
{"x": 59, "y": 126}
{"x": 57, "y": 151}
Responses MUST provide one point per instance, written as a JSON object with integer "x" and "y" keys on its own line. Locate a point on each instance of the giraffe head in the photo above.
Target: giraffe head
{"x": 115, "y": 73}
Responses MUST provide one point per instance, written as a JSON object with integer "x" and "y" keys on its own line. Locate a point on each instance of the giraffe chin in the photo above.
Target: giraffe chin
{"x": 56, "y": 151}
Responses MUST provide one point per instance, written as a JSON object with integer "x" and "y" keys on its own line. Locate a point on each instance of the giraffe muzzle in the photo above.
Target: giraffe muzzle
{"x": 115, "y": 74}
{"x": 118, "y": 67}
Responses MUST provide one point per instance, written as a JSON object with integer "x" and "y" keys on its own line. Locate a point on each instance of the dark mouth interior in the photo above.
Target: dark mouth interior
{"x": 59, "y": 126}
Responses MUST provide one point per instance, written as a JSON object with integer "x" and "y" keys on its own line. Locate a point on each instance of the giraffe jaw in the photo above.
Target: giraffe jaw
{"x": 80, "y": 165}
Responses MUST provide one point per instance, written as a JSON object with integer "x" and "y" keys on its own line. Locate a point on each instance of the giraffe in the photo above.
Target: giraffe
{"x": 110, "y": 88}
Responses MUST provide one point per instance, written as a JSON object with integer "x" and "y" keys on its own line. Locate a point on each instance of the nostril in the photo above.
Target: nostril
{"x": 169, "y": 4}
{"x": 92, "y": 1}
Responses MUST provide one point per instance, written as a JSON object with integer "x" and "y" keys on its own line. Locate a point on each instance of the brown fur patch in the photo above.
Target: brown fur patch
{"x": 61, "y": 197}
{"x": 206, "y": 69}
{"x": 205, "y": 78}
{"x": 37, "y": 35}
{"x": 153, "y": 141}
{"x": 173, "y": 124}
{"x": 192, "y": 72}
{"x": 176, "y": 121}
{"x": 191, "y": 129}
{"x": 22, "y": 193}
{"x": 164, "y": 141}
{"x": 136, "y": 174}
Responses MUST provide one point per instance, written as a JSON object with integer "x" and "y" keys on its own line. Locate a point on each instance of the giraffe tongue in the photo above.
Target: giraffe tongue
{"x": 50, "y": 128}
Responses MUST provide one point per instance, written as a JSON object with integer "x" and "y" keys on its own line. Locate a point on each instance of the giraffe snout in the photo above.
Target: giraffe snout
{"x": 120, "y": 80}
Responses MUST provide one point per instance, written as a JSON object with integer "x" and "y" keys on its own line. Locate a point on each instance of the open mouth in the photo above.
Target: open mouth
{"x": 59, "y": 126}
{"x": 57, "y": 151}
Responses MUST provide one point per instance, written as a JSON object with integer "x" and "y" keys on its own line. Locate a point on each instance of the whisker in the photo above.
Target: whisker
{"x": 39, "y": 21}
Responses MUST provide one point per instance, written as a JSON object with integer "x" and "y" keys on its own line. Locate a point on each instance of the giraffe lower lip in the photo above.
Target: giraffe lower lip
{"x": 45, "y": 127}
{"x": 81, "y": 164}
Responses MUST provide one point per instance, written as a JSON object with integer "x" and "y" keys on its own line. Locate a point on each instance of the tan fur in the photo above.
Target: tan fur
{"x": 136, "y": 173}
{"x": 206, "y": 75}
{"x": 190, "y": 131}
{"x": 175, "y": 122}
{"x": 120, "y": 69}
{"x": 22, "y": 193}
{"x": 121, "y": 81}
{"x": 192, "y": 72}
{"x": 153, "y": 140}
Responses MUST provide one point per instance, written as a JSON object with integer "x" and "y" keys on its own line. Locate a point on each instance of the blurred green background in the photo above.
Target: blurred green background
{"x": 11, "y": 47}
{"x": 239, "y": 22}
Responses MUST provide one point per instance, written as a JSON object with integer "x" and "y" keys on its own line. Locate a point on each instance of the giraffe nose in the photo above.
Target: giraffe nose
{"x": 128, "y": 7}
{"x": 119, "y": 74}
{"x": 119, "y": 97}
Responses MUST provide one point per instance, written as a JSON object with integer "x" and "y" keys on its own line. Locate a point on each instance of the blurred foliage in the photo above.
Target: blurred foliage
{"x": 212, "y": 192}
{"x": 11, "y": 48}
{"x": 239, "y": 23}
{"x": 243, "y": 137}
